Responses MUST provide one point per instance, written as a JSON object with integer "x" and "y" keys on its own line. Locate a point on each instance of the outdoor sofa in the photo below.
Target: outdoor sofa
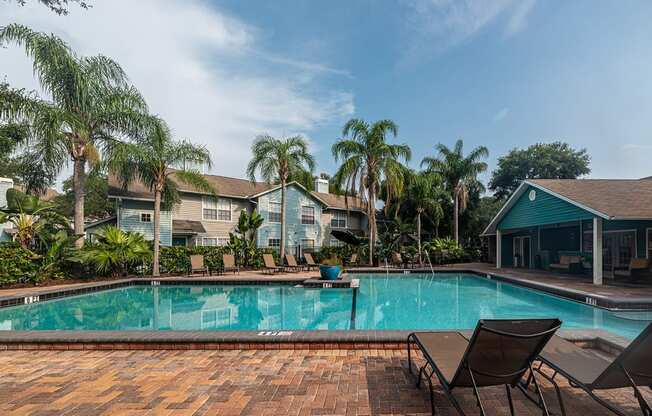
{"x": 638, "y": 269}
{"x": 568, "y": 264}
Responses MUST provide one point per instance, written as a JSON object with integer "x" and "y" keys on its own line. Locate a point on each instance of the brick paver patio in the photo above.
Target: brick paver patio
{"x": 335, "y": 382}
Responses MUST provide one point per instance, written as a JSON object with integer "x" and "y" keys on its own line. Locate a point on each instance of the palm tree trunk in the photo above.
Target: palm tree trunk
{"x": 456, "y": 216}
{"x": 419, "y": 235}
{"x": 372, "y": 223}
{"x": 282, "y": 248}
{"x": 78, "y": 185}
{"x": 157, "y": 230}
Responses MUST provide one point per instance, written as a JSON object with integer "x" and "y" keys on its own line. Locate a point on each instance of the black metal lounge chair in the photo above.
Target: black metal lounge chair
{"x": 270, "y": 265}
{"x": 310, "y": 262}
{"x": 498, "y": 353}
{"x": 228, "y": 264}
{"x": 591, "y": 372}
{"x": 292, "y": 265}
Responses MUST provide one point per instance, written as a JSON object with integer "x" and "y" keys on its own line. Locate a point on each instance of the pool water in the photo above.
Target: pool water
{"x": 399, "y": 302}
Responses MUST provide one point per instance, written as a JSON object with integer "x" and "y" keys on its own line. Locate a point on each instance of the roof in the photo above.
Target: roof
{"x": 105, "y": 221}
{"x": 187, "y": 227}
{"x": 231, "y": 187}
{"x": 611, "y": 199}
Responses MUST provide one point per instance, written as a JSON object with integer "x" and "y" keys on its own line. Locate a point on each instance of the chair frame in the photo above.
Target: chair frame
{"x": 448, "y": 389}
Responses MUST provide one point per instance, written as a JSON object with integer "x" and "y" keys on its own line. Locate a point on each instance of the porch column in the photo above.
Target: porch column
{"x": 499, "y": 251}
{"x": 597, "y": 251}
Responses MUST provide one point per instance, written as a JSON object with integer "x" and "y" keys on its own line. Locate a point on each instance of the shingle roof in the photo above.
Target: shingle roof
{"x": 187, "y": 227}
{"x": 231, "y": 187}
{"x": 615, "y": 198}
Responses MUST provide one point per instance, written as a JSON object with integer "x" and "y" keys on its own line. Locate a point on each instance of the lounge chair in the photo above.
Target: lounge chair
{"x": 292, "y": 265}
{"x": 270, "y": 265}
{"x": 353, "y": 260}
{"x": 568, "y": 264}
{"x": 397, "y": 260}
{"x": 591, "y": 372}
{"x": 637, "y": 269}
{"x": 310, "y": 262}
{"x": 229, "y": 265}
{"x": 197, "y": 264}
{"x": 498, "y": 353}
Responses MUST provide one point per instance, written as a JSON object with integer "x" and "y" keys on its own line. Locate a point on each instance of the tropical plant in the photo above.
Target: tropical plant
{"x": 367, "y": 161}
{"x": 242, "y": 243}
{"x": 31, "y": 218}
{"x": 459, "y": 173}
{"x": 277, "y": 160}
{"x": 424, "y": 192}
{"x": 59, "y": 254}
{"x": 150, "y": 160}
{"x": 115, "y": 250}
{"x": 91, "y": 104}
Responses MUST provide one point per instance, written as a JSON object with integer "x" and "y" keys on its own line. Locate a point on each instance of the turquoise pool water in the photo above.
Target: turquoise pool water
{"x": 404, "y": 302}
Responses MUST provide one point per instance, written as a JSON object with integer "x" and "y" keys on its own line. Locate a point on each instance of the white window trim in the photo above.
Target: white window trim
{"x": 151, "y": 217}
{"x": 272, "y": 238}
{"x": 314, "y": 215}
{"x": 269, "y": 210}
{"x": 346, "y": 220}
{"x": 314, "y": 242}
{"x": 217, "y": 208}
{"x": 217, "y": 240}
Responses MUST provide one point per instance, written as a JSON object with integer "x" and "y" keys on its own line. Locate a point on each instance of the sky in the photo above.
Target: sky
{"x": 503, "y": 73}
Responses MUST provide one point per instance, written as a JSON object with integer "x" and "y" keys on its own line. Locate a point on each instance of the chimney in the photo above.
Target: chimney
{"x": 321, "y": 185}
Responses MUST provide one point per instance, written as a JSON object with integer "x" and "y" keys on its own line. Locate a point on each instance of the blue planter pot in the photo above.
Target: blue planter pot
{"x": 330, "y": 272}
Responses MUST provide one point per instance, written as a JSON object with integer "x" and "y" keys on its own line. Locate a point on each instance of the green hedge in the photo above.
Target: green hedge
{"x": 176, "y": 260}
{"x": 17, "y": 265}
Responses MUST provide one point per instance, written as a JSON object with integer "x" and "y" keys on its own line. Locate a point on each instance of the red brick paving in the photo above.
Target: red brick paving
{"x": 254, "y": 382}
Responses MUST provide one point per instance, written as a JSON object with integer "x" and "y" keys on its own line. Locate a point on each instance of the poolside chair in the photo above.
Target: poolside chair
{"x": 229, "y": 265}
{"x": 197, "y": 264}
{"x": 270, "y": 265}
{"x": 292, "y": 265}
{"x": 498, "y": 353}
{"x": 397, "y": 260}
{"x": 636, "y": 270}
{"x": 353, "y": 260}
{"x": 568, "y": 264}
{"x": 591, "y": 372}
{"x": 310, "y": 262}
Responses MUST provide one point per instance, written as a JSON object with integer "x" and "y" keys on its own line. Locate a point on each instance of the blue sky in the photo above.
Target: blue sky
{"x": 502, "y": 74}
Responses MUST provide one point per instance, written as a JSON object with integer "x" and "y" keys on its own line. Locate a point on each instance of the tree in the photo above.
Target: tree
{"x": 367, "y": 162}
{"x": 116, "y": 250}
{"x": 97, "y": 204}
{"x": 150, "y": 160}
{"x": 556, "y": 160}
{"x": 424, "y": 192}
{"x": 277, "y": 160}
{"x": 58, "y": 6}
{"x": 91, "y": 105}
{"x": 459, "y": 173}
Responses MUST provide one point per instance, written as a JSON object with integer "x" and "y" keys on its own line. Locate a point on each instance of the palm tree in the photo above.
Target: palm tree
{"x": 116, "y": 250}
{"x": 151, "y": 159}
{"x": 90, "y": 105}
{"x": 424, "y": 194}
{"x": 278, "y": 160}
{"x": 367, "y": 162}
{"x": 459, "y": 172}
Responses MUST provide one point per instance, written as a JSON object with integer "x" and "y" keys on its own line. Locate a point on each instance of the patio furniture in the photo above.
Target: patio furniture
{"x": 197, "y": 265}
{"x": 353, "y": 260}
{"x": 569, "y": 264}
{"x": 498, "y": 353}
{"x": 591, "y": 372}
{"x": 229, "y": 265}
{"x": 397, "y": 259}
{"x": 310, "y": 262}
{"x": 292, "y": 265}
{"x": 270, "y": 265}
{"x": 637, "y": 269}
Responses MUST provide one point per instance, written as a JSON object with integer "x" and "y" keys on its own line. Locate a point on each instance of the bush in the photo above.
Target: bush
{"x": 17, "y": 265}
{"x": 176, "y": 260}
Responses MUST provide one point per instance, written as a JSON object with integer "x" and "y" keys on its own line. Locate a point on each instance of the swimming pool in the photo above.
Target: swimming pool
{"x": 383, "y": 302}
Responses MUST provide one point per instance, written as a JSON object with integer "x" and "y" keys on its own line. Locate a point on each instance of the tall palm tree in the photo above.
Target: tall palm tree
{"x": 424, "y": 192}
{"x": 90, "y": 104}
{"x": 367, "y": 162}
{"x": 278, "y": 160}
{"x": 459, "y": 172}
{"x": 152, "y": 160}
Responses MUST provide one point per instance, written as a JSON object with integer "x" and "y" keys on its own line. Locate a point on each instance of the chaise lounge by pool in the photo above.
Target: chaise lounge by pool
{"x": 402, "y": 302}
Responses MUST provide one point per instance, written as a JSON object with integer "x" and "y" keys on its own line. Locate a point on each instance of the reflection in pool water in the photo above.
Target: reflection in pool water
{"x": 405, "y": 302}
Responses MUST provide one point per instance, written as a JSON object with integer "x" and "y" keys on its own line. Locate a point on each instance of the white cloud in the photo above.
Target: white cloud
{"x": 501, "y": 115}
{"x": 199, "y": 68}
{"x": 448, "y": 22}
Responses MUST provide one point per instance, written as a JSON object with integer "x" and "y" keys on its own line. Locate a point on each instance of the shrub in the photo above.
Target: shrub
{"x": 176, "y": 260}
{"x": 17, "y": 265}
{"x": 116, "y": 251}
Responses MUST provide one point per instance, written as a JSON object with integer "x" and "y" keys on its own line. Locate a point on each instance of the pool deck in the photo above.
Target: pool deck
{"x": 226, "y": 383}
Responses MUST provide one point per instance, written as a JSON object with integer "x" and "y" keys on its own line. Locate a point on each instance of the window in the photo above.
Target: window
{"x": 334, "y": 242}
{"x": 649, "y": 243}
{"x": 307, "y": 244}
{"x": 274, "y": 242}
{"x": 339, "y": 219}
{"x": 215, "y": 241}
{"x": 217, "y": 209}
{"x": 307, "y": 215}
{"x": 274, "y": 212}
{"x": 145, "y": 217}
